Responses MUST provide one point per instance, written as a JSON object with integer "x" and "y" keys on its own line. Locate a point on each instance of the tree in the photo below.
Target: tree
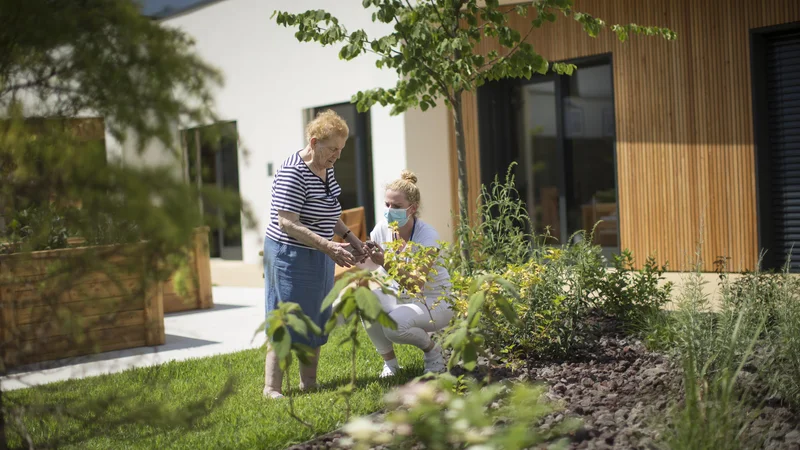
{"x": 432, "y": 49}
{"x": 64, "y": 64}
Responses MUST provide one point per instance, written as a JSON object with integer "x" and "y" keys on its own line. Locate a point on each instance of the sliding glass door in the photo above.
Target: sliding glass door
{"x": 560, "y": 132}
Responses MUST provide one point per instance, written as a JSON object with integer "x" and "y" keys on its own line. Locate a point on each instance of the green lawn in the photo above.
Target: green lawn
{"x": 185, "y": 405}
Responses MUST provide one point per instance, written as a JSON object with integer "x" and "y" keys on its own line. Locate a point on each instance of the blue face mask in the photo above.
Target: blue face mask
{"x": 396, "y": 215}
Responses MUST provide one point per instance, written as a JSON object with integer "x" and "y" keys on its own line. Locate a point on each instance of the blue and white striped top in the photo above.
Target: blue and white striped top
{"x": 298, "y": 190}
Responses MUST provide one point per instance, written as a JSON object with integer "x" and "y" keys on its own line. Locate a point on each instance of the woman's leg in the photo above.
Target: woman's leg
{"x": 273, "y": 377}
{"x": 415, "y": 323}
{"x": 308, "y": 372}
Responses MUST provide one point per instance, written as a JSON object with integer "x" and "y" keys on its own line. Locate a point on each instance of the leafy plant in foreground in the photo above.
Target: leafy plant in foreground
{"x": 432, "y": 414}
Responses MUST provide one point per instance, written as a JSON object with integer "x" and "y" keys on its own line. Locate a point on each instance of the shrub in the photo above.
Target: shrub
{"x": 634, "y": 296}
{"x": 434, "y": 416}
{"x": 501, "y": 235}
{"x": 558, "y": 289}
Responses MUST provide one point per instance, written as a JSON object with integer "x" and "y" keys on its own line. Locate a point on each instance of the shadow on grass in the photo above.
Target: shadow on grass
{"x": 89, "y": 418}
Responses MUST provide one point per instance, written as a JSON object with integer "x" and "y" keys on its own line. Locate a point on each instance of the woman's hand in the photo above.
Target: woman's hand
{"x": 376, "y": 253}
{"x": 359, "y": 249}
{"x": 337, "y": 251}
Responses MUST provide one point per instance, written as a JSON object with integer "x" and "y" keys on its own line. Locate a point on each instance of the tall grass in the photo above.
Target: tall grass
{"x": 713, "y": 349}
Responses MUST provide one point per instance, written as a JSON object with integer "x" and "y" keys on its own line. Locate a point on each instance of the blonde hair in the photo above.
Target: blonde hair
{"x": 407, "y": 185}
{"x": 326, "y": 125}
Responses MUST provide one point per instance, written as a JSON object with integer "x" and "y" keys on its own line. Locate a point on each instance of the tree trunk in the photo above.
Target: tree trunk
{"x": 463, "y": 184}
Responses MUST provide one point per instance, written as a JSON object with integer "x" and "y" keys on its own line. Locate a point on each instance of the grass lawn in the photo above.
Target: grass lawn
{"x": 185, "y": 404}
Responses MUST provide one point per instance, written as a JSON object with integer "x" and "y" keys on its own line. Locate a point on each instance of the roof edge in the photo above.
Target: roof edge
{"x": 185, "y": 11}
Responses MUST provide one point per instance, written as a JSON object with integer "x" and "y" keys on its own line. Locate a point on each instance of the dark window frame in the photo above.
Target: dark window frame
{"x": 363, "y": 145}
{"x": 494, "y": 109}
{"x": 761, "y": 139}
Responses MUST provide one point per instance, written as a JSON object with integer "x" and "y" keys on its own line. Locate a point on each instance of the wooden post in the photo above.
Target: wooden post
{"x": 202, "y": 260}
{"x": 154, "y": 314}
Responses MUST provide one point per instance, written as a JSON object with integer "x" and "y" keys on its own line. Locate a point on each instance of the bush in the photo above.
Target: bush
{"x": 501, "y": 235}
{"x": 40, "y": 227}
{"x": 434, "y": 415}
{"x": 634, "y": 296}
{"x": 558, "y": 289}
{"x": 559, "y": 286}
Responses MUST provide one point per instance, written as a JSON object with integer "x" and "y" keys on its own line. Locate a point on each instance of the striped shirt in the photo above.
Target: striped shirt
{"x": 298, "y": 190}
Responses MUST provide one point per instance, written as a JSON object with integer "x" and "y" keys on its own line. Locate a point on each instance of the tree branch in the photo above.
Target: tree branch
{"x": 501, "y": 58}
{"x": 430, "y": 71}
{"x": 441, "y": 20}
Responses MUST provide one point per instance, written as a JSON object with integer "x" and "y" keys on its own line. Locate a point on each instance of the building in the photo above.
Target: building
{"x": 663, "y": 140}
{"x": 668, "y": 143}
{"x": 273, "y": 86}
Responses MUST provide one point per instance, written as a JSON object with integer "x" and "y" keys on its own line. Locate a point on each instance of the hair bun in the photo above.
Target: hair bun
{"x": 408, "y": 176}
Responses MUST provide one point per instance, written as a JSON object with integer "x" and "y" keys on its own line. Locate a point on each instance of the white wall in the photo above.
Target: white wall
{"x": 428, "y": 148}
{"x": 270, "y": 78}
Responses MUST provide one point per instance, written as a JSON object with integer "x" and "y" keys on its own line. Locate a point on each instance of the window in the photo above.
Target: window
{"x": 560, "y": 132}
{"x": 354, "y": 168}
{"x": 216, "y": 149}
{"x": 775, "y": 54}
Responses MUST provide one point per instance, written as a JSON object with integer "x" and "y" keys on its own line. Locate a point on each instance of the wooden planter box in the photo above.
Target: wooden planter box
{"x": 94, "y": 313}
{"x": 199, "y": 284}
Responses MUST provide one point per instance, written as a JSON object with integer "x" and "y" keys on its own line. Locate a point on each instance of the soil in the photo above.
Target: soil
{"x": 621, "y": 393}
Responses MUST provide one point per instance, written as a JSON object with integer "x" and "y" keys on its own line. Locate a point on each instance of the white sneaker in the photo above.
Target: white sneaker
{"x": 434, "y": 361}
{"x": 388, "y": 371}
{"x": 269, "y": 393}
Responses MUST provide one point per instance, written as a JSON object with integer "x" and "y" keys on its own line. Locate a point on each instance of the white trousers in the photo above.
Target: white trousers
{"x": 414, "y": 322}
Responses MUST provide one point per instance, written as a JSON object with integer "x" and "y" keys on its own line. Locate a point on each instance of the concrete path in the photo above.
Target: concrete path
{"x": 228, "y": 327}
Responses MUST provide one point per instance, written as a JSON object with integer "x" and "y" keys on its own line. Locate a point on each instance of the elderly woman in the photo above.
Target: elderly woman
{"x": 299, "y": 255}
{"x": 416, "y": 320}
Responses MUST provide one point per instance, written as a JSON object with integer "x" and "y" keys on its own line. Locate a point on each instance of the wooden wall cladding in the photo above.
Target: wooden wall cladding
{"x": 684, "y": 125}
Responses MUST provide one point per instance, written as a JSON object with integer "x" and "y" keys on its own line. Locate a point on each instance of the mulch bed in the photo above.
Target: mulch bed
{"x": 621, "y": 393}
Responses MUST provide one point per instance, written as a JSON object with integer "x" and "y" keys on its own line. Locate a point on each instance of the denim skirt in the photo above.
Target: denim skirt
{"x": 299, "y": 275}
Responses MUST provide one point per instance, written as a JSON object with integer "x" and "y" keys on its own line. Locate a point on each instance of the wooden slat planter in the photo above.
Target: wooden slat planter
{"x": 199, "y": 294}
{"x": 47, "y": 316}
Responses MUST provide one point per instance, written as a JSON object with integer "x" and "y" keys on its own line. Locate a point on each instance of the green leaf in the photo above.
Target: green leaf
{"x": 337, "y": 288}
{"x": 387, "y": 321}
{"x": 472, "y": 321}
{"x": 304, "y": 352}
{"x": 348, "y": 306}
{"x": 470, "y": 357}
{"x": 476, "y": 302}
{"x": 457, "y": 339}
{"x": 311, "y": 325}
{"x": 330, "y": 325}
{"x": 297, "y": 324}
{"x": 282, "y": 343}
{"x": 507, "y": 310}
{"x": 508, "y": 286}
{"x": 368, "y": 303}
{"x": 454, "y": 357}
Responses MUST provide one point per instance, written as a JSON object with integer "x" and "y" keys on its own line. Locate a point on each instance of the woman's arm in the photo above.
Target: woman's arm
{"x": 359, "y": 249}
{"x": 290, "y": 224}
